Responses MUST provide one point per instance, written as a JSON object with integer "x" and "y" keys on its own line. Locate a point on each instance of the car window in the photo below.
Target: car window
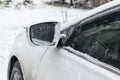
{"x": 100, "y": 38}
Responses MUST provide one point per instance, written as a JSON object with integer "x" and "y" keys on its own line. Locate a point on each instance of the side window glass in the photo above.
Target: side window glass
{"x": 106, "y": 46}
{"x": 100, "y": 39}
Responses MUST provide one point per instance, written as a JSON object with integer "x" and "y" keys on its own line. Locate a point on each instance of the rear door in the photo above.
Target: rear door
{"x": 91, "y": 54}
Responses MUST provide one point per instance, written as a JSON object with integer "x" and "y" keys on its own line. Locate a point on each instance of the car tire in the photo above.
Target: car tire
{"x": 16, "y": 73}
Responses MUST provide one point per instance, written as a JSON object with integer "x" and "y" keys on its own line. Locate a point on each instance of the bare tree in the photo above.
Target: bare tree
{"x": 103, "y": 2}
{"x": 63, "y": 1}
{"x": 96, "y": 3}
{"x": 71, "y": 2}
{"x": 27, "y": 2}
{"x": 8, "y": 1}
{"x": 84, "y": 3}
{"x": 100, "y": 2}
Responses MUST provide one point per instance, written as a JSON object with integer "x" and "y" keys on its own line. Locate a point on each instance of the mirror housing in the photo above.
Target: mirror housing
{"x": 46, "y": 33}
{"x": 61, "y": 41}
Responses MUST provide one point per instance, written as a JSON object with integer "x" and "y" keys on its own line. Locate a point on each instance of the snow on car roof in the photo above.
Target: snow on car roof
{"x": 90, "y": 13}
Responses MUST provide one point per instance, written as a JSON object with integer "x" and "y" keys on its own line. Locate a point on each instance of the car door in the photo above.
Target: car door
{"x": 89, "y": 55}
{"x": 40, "y": 38}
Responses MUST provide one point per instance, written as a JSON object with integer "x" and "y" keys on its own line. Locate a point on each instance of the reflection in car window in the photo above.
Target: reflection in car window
{"x": 100, "y": 39}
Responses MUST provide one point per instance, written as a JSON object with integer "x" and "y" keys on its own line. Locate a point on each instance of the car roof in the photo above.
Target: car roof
{"x": 90, "y": 13}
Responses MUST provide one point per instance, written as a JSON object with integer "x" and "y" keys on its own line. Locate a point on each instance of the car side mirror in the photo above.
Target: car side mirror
{"x": 46, "y": 33}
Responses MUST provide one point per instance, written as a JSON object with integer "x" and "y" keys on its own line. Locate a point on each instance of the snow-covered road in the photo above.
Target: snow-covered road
{"x": 13, "y": 20}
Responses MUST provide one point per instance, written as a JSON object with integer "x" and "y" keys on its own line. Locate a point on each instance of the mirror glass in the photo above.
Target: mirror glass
{"x": 43, "y": 33}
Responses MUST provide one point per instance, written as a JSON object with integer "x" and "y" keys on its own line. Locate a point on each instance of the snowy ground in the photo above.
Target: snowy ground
{"x": 13, "y": 20}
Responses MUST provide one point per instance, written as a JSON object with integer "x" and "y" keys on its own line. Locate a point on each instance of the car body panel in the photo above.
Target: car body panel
{"x": 23, "y": 50}
{"x": 61, "y": 64}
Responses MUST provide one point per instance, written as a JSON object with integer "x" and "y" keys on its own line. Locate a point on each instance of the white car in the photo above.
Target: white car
{"x": 87, "y": 49}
